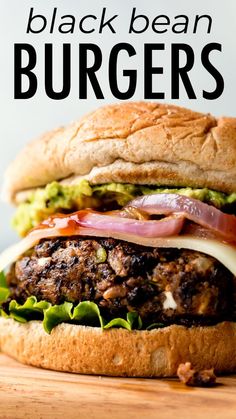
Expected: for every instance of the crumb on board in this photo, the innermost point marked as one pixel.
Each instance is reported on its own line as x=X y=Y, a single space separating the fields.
x=192 y=377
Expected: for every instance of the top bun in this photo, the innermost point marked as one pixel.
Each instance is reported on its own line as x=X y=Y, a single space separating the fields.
x=132 y=142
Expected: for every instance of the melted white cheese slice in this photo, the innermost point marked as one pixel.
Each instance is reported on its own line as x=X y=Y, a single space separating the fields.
x=223 y=252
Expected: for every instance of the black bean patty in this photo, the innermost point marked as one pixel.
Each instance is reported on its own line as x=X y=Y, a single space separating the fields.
x=162 y=285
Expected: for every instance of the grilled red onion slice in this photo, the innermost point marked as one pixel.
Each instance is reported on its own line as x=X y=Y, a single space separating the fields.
x=192 y=209
x=74 y=223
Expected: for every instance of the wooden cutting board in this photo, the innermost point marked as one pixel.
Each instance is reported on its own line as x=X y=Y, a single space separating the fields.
x=28 y=392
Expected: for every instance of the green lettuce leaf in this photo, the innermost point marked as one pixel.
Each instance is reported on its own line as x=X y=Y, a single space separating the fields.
x=3 y=281
x=133 y=321
x=85 y=313
x=56 y=314
x=27 y=311
x=119 y=322
x=4 y=291
x=4 y=294
x=88 y=313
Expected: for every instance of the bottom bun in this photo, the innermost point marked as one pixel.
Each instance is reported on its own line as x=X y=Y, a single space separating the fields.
x=118 y=352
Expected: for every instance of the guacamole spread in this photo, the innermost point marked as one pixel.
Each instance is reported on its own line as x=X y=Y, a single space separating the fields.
x=56 y=197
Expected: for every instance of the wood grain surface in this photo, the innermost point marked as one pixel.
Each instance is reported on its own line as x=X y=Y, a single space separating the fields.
x=27 y=392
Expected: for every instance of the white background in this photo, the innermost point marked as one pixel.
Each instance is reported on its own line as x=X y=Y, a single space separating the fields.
x=23 y=120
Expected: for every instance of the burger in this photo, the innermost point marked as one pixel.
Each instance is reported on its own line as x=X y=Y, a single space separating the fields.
x=127 y=261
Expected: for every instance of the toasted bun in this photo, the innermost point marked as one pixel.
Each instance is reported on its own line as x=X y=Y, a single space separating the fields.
x=145 y=143
x=118 y=352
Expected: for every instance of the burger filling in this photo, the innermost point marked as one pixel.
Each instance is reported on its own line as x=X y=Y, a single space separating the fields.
x=56 y=197
x=164 y=258
x=162 y=285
